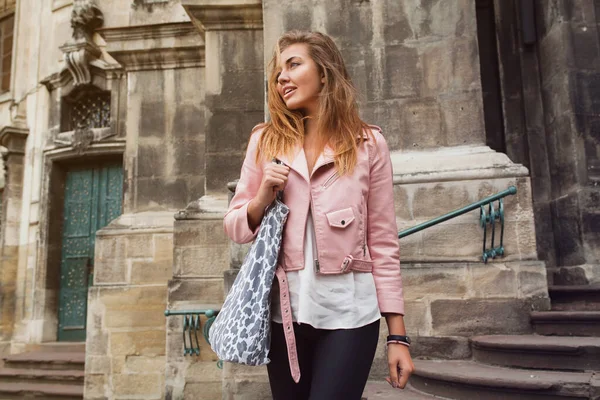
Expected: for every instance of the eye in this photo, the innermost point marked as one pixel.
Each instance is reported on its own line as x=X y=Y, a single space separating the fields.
x=294 y=64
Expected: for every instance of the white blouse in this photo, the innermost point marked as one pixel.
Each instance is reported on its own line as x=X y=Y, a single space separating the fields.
x=341 y=301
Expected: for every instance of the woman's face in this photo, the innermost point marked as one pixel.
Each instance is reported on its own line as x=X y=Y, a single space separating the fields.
x=299 y=82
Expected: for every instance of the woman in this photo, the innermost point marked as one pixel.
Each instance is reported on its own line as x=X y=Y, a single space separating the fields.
x=339 y=260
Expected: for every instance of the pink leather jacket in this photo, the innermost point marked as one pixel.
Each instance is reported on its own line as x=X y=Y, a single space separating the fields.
x=354 y=216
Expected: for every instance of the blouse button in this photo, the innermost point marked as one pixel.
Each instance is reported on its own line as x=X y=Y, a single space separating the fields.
x=343 y=222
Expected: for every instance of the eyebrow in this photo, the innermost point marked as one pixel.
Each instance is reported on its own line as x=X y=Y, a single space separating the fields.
x=291 y=58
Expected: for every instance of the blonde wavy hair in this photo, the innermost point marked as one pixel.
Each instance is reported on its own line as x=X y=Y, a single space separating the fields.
x=338 y=122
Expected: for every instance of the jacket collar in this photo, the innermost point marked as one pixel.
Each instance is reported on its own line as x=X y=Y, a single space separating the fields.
x=298 y=162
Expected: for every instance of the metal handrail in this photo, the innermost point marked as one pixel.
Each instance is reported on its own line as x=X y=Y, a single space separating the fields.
x=191 y=326
x=485 y=219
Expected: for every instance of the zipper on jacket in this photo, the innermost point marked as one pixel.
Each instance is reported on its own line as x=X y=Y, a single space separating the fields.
x=364 y=219
x=312 y=211
x=330 y=179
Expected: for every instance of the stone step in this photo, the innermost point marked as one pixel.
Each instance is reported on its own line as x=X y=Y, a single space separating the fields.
x=377 y=390
x=10 y=391
x=46 y=360
x=58 y=347
x=575 y=297
x=471 y=380
x=566 y=323
x=65 y=377
x=538 y=352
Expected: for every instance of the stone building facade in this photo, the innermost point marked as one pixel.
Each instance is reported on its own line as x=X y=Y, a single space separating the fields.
x=123 y=125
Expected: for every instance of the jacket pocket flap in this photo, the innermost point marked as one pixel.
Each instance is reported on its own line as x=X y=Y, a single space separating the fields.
x=341 y=218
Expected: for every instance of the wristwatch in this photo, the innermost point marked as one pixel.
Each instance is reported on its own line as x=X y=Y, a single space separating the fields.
x=399 y=338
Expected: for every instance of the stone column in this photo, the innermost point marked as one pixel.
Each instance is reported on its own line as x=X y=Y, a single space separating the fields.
x=232 y=30
x=416 y=66
x=569 y=56
x=13 y=140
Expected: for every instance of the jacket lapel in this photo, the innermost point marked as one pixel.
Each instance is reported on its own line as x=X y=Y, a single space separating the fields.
x=297 y=162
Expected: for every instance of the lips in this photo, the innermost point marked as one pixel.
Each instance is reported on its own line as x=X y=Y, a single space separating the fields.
x=288 y=91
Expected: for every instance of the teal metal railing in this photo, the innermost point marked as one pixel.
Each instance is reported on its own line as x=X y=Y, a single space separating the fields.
x=486 y=219
x=192 y=324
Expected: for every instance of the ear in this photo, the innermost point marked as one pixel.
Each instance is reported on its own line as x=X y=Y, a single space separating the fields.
x=323 y=79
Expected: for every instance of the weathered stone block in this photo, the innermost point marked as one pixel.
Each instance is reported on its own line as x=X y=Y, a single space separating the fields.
x=143 y=317
x=151 y=386
x=203 y=371
x=432 y=280
x=432 y=200
x=110 y=271
x=143 y=272
x=493 y=280
x=110 y=248
x=462 y=116
x=201 y=261
x=97 y=364
x=445 y=347
x=246 y=389
x=422 y=124
x=138 y=343
x=204 y=391
x=95 y=386
x=163 y=247
x=481 y=317
x=417 y=318
x=140 y=246
x=134 y=307
x=199 y=291
x=401 y=66
x=144 y=364
x=200 y=232
x=532 y=280
x=450 y=66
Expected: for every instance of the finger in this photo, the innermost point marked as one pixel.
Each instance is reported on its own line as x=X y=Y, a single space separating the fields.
x=394 y=374
x=273 y=174
x=282 y=169
x=405 y=373
x=272 y=182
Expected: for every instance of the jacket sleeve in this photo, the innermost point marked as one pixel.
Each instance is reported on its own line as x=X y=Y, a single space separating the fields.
x=382 y=230
x=236 y=219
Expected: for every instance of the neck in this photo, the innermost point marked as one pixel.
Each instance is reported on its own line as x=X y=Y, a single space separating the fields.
x=310 y=127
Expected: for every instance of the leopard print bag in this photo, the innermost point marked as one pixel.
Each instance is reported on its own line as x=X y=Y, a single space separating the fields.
x=241 y=332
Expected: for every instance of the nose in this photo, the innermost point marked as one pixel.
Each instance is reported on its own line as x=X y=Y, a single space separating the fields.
x=283 y=77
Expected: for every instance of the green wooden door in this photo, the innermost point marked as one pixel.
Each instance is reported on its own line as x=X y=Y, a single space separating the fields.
x=92 y=200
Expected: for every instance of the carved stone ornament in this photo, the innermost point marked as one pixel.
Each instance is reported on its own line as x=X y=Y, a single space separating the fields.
x=81 y=50
x=82 y=139
x=86 y=17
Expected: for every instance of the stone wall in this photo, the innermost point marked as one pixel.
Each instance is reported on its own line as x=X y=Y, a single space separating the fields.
x=125 y=346
x=201 y=257
x=415 y=63
x=569 y=53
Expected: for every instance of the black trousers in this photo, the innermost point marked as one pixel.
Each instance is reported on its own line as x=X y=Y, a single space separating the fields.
x=334 y=364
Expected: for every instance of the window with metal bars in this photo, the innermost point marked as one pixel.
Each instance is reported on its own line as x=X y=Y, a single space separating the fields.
x=89 y=110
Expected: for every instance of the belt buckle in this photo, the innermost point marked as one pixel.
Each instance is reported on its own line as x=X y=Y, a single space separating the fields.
x=346 y=263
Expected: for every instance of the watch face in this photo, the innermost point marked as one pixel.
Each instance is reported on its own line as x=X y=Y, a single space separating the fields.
x=407 y=340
